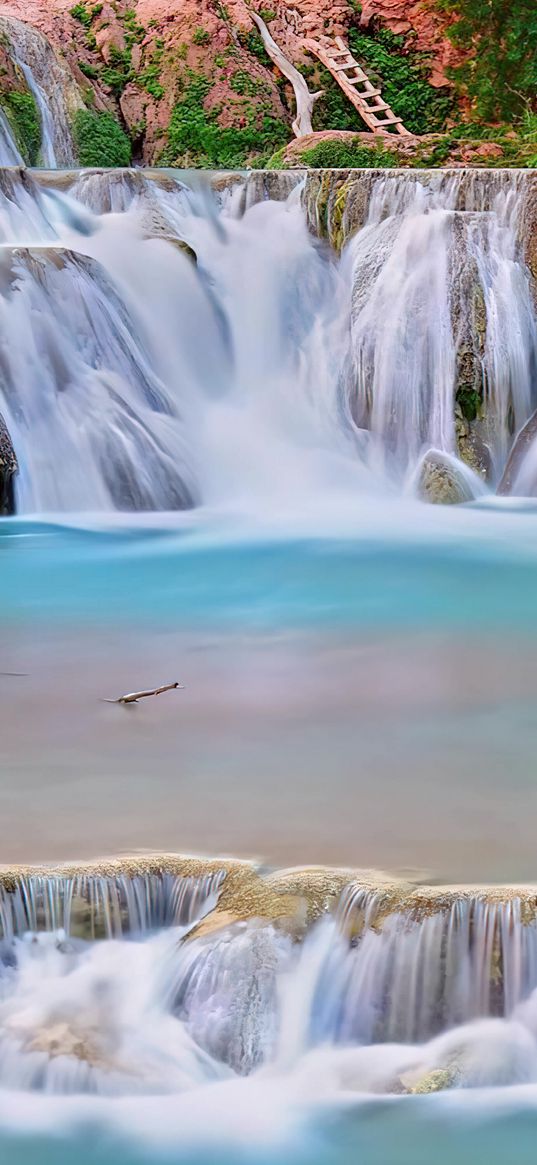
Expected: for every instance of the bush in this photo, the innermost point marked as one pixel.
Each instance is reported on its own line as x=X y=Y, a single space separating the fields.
x=23 y=116
x=337 y=155
x=201 y=36
x=500 y=36
x=85 y=15
x=100 y=140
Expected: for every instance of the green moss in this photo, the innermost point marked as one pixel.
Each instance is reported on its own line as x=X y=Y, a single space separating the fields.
x=337 y=155
x=23 y=115
x=201 y=36
x=100 y=140
x=196 y=138
x=469 y=402
x=267 y=14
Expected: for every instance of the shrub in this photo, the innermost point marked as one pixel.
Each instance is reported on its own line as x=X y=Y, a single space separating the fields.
x=500 y=36
x=338 y=155
x=100 y=140
x=201 y=36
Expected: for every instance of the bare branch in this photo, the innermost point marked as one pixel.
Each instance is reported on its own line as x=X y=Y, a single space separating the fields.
x=133 y=697
x=304 y=99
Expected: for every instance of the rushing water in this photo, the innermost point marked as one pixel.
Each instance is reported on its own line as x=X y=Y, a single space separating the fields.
x=360 y=675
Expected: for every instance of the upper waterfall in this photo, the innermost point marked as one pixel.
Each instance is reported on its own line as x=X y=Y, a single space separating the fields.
x=407 y=362
x=52 y=87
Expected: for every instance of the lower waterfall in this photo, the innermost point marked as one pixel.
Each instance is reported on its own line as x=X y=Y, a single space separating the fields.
x=335 y=376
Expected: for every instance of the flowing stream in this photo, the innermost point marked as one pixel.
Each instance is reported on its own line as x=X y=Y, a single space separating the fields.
x=222 y=429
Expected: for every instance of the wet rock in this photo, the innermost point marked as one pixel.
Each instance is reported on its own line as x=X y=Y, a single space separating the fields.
x=8 y=470
x=435 y=1081
x=441 y=481
x=472 y=448
x=523 y=442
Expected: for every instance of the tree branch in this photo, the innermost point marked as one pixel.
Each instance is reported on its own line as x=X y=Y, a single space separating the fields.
x=304 y=99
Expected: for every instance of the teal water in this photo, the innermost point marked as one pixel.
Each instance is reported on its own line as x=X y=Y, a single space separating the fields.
x=401 y=566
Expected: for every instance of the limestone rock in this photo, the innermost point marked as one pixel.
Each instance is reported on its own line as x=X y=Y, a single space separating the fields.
x=441 y=481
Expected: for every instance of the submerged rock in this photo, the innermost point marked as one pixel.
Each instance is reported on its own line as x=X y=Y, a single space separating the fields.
x=442 y=481
x=8 y=470
x=521 y=446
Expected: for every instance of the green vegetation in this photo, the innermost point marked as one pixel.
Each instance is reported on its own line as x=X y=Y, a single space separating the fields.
x=23 y=115
x=333 y=110
x=245 y=85
x=85 y=15
x=100 y=140
x=469 y=402
x=252 y=42
x=337 y=155
x=90 y=71
x=201 y=36
x=196 y=138
x=500 y=36
x=403 y=78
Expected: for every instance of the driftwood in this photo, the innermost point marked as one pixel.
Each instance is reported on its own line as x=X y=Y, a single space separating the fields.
x=133 y=697
x=304 y=99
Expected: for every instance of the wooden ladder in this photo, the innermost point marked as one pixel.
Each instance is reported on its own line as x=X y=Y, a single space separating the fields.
x=338 y=59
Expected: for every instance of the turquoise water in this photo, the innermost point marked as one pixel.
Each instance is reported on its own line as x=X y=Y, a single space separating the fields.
x=475 y=568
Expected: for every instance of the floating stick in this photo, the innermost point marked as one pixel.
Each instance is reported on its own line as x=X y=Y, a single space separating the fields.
x=133 y=697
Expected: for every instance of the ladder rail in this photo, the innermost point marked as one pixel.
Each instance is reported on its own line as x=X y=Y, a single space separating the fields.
x=368 y=103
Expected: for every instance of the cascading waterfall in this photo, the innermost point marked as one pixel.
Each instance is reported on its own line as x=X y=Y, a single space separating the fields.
x=54 y=90
x=387 y=994
x=9 y=153
x=158 y=380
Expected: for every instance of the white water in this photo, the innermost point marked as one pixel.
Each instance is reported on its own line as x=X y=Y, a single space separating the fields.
x=266 y=373
x=158 y=1014
x=54 y=90
x=9 y=154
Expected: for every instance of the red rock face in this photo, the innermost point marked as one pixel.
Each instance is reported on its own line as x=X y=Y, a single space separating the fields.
x=196 y=36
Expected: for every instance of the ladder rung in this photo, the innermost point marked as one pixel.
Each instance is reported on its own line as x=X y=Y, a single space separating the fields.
x=367 y=92
x=345 y=65
x=387 y=120
x=375 y=108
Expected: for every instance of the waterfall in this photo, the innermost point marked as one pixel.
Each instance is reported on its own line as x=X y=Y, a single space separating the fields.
x=54 y=90
x=95 y=905
x=193 y=343
x=394 y=985
x=9 y=154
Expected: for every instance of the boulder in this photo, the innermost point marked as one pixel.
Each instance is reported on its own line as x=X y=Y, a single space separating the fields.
x=442 y=480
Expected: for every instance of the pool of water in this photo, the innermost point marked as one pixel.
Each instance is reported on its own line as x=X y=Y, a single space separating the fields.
x=362 y=695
